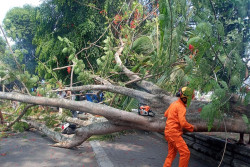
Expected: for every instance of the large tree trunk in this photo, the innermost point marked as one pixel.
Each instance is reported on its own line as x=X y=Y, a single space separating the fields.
x=119 y=120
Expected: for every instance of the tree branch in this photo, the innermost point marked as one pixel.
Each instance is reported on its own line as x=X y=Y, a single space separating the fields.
x=57 y=137
x=123 y=118
x=18 y=65
x=140 y=95
x=20 y=116
x=84 y=133
x=147 y=86
x=59 y=68
x=171 y=28
x=85 y=106
x=101 y=80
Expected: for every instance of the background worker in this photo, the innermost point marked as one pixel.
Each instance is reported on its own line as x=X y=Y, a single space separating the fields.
x=175 y=124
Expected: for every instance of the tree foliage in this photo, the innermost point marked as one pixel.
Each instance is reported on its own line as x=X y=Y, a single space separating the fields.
x=20 y=25
x=80 y=22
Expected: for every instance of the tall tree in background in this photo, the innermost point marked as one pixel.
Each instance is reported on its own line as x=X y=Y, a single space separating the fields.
x=2 y=46
x=20 y=26
x=82 y=23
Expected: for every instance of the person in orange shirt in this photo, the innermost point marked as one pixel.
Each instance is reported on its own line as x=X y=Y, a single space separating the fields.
x=175 y=124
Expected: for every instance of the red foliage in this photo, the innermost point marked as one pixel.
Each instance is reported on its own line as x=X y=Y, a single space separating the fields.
x=191 y=47
x=103 y=12
x=68 y=69
x=132 y=24
x=118 y=18
x=136 y=14
x=38 y=94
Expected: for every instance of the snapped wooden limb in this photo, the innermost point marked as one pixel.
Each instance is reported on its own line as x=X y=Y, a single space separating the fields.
x=143 y=96
x=55 y=136
x=20 y=116
x=82 y=134
x=145 y=85
x=1 y=117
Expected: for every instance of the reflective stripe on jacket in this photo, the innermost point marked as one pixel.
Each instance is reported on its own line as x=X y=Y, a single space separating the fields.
x=176 y=120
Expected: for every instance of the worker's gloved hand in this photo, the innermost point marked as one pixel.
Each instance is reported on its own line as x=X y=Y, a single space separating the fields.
x=195 y=128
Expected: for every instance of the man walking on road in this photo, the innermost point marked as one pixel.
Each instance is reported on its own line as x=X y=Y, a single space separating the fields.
x=175 y=124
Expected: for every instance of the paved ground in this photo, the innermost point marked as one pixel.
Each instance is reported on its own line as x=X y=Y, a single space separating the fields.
x=135 y=149
x=31 y=150
x=142 y=149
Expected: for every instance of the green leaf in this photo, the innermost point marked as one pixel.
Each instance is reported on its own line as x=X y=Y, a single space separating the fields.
x=224 y=84
x=60 y=39
x=234 y=80
x=65 y=50
x=143 y=45
x=245 y=119
x=217 y=69
x=247 y=99
x=103 y=58
x=77 y=71
x=161 y=17
x=220 y=27
x=99 y=62
x=71 y=57
x=204 y=27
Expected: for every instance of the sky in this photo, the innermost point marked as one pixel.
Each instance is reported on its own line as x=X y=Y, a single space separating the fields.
x=6 y=5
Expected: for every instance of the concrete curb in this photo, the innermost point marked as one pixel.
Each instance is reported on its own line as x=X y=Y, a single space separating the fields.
x=101 y=156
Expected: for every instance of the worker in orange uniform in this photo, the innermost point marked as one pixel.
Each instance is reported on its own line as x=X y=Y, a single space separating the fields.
x=175 y=124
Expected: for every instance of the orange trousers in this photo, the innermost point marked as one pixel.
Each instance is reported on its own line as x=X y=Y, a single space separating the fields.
x=176 y=143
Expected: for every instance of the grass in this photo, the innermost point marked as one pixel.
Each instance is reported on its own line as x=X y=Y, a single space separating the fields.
x=43 y=135
x=107 y=137
x=3 y=135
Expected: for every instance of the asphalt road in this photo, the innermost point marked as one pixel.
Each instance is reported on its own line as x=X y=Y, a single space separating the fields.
x=30 y=149
x=134 y=149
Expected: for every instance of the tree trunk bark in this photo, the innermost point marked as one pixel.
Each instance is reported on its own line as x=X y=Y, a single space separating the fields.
x=119 y=120
x=84 y=133
x=55 y=136
x=119 y=117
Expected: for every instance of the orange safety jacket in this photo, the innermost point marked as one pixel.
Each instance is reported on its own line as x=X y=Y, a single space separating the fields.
x=176 y=120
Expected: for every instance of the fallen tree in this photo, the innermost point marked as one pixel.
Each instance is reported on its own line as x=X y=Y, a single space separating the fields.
x=118 y=120
x=144 y=92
